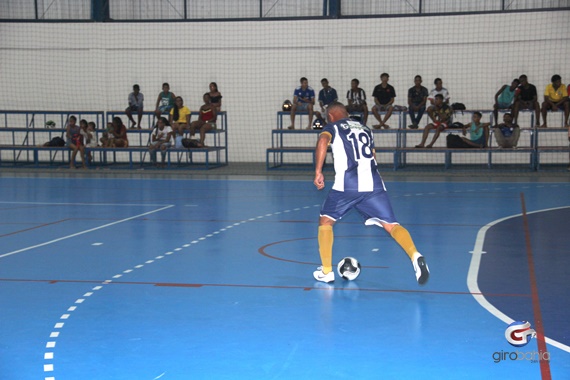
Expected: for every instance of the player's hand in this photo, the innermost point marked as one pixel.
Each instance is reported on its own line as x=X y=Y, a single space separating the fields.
x=319 y=181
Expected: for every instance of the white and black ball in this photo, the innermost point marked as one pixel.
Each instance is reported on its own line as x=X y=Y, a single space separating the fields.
x=348 y=268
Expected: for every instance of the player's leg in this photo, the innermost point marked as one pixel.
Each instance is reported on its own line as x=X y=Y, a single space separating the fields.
x=325 y=238
x=310 y=110
x=336 y=205
x=377 y=210
x=566 y=113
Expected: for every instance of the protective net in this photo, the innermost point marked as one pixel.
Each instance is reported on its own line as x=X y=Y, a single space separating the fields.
x=257 y=51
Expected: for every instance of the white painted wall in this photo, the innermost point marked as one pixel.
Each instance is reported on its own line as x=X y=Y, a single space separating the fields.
x=257 y=65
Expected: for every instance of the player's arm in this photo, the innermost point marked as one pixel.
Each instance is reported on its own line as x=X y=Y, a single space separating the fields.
x=320 y=155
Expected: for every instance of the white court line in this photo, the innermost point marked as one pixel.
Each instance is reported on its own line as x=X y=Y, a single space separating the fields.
x=83 y=232
x=474 y=272
x=80 y=204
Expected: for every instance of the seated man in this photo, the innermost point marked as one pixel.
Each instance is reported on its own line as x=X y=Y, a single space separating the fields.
x=439 y=89
x=555 y=98
x=136 y=104
x=303 y=101
x=507 y=133
x=384 y=95
x=417 y=98
x=356 y=98
x=442 y=116
x=327 y=96
x=161 y=138
x=478 y=132
x=165 y=101
x=504 y=98
x=526 y=98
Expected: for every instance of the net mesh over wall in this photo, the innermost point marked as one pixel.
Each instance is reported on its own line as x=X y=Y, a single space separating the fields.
x=257 y=64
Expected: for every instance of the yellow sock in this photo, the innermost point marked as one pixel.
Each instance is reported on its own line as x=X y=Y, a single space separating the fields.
x=402 y=237
x=326 y=238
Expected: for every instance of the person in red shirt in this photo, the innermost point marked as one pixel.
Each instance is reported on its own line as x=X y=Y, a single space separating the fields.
x=206 y=120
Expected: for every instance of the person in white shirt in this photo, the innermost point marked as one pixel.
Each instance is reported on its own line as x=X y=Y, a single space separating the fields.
x=160 y=139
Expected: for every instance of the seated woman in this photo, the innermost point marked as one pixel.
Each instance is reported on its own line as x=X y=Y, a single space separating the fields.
x=75 y=141
x=206 y=120
x=215 y=96
x=119 y=133
x=179 y=116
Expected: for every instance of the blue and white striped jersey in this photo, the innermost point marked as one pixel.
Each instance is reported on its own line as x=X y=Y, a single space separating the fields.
x=353 y=152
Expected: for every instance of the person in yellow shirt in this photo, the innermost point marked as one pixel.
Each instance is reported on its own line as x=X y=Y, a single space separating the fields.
x=179 y=116
x=555 y=98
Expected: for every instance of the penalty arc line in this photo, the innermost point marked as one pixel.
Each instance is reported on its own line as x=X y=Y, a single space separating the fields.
x=473 y=273
x=83 y=232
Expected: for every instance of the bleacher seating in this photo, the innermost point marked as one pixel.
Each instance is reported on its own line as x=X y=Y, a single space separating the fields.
x=22 y=134
x=395 y=145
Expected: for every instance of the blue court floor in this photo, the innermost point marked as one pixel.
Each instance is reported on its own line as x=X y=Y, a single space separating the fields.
x=106 y=278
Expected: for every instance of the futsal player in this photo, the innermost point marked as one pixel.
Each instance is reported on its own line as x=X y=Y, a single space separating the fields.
x=357 y=185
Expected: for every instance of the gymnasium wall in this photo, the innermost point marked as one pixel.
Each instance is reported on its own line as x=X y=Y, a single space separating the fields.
x=92 y=66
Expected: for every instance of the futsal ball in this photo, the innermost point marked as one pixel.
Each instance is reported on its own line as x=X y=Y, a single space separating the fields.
x=287 y=105
x=348 y=268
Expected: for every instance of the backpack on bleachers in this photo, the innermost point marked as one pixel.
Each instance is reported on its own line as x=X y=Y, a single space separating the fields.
x=456 y=142
x=56 y=141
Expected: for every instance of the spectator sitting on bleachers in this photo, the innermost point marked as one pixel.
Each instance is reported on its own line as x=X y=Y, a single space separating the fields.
x=504 y=98
x=206 y=119
x=439 y=89
x=356 y=98
x=179 y=116
x=417 y=98
x=165 y=101
x=384 y=95
x=89 y=136
x=327 y=96
x=136 y=104
x=303 y=100
x=75 y=141
x=119 y=133
x=507 y=133
x=106 y=140
x=442 y=118
x=526 y=98
x=555 y=97
x=161 y=137
x=215 y=96
x=478 y=132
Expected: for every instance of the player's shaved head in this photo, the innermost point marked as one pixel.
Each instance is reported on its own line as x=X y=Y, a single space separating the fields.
x=336 y=111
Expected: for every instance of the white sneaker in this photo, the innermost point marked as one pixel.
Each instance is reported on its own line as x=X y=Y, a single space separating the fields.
x=320 y=276
x=420 y=268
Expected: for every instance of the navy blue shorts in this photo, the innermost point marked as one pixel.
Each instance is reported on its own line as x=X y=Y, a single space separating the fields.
x=375 y=206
